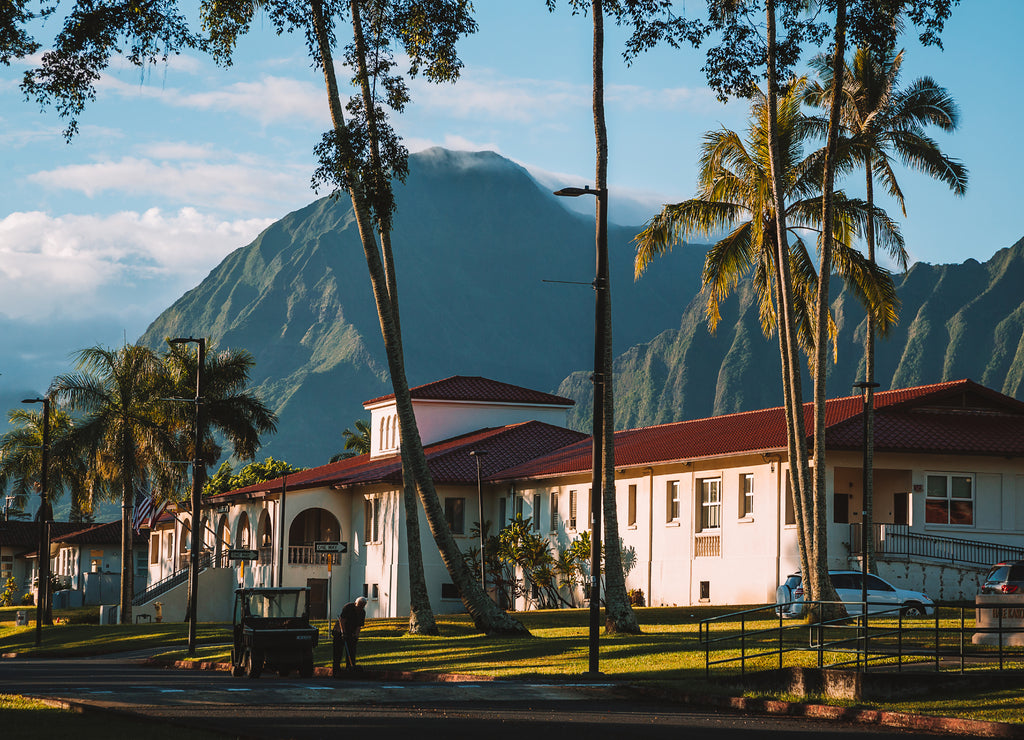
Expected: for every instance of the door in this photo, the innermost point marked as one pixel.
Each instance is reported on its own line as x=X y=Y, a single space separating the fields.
x=317 y=598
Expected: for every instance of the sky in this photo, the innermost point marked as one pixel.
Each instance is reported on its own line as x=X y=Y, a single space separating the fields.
x=178 y=165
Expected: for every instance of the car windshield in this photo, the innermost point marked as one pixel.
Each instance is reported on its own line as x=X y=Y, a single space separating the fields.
x=277 y=604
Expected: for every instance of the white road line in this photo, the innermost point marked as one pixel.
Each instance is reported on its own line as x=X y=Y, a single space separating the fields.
x=171 y=691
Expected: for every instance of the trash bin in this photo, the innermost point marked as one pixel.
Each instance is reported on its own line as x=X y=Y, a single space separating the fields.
x=21 y=620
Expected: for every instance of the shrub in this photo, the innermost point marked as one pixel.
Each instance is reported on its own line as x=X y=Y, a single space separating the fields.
x=636 y=597
x=10 y=589
x=28 y=599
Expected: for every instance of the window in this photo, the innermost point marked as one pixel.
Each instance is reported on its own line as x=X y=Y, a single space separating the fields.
x=790 y=505
x=502 y=512
x=141 y=568
x=710 y=503
x=371 y=591
x=536 y=512
x=841 y=508
x=631 y=506
x=554 y=511
x=672 y=501
x=519 y=507
x=448 y=591
x=949 y=499
x=573 y=497
x=154 y=548
x=455 y=513
x=371 y=520
x=746 y=495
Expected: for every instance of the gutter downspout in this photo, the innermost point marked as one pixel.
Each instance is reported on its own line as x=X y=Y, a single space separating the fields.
x=779 y=493
x=650 y=536
x=284 y=542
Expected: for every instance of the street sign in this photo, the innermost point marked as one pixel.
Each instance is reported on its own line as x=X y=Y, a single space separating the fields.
x=243 y=554
x=332 y=547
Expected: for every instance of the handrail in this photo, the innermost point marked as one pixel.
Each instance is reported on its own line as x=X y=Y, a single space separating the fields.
x=897 y=539
x=174 y=579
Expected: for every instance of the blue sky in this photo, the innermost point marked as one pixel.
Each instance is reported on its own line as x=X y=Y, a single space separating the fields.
x=180 y=164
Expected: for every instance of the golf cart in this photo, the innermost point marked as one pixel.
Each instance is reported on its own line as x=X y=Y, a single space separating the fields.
x=271 y=629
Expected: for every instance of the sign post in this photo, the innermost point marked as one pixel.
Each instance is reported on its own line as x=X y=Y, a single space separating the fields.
x=241 y=556
x=331 y=549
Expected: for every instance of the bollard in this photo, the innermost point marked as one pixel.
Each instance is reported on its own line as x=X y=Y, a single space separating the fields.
x=158 y=608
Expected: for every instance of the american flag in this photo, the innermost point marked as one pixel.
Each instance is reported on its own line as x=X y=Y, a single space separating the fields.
x=146 y=511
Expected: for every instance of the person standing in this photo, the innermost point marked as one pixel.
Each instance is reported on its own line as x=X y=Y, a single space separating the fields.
x=346 y=634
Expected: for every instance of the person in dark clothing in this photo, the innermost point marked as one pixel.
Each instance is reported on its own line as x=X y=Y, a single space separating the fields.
x=346 y=633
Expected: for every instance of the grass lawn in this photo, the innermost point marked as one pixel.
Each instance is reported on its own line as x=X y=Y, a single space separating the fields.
x=667 y=655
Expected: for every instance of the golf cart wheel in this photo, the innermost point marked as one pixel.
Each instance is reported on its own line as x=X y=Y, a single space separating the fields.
x=253 y=663
x=913 y=610
x=306 y=666
x=237 y=669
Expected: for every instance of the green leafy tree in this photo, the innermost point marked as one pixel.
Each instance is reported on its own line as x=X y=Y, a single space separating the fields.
x=225 y=480
x=884 y=123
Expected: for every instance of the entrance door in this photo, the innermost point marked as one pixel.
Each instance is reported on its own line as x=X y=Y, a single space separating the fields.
x=900 y=508
x=317 y=598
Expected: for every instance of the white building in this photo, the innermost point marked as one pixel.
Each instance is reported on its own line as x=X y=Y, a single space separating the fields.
x=702 y=505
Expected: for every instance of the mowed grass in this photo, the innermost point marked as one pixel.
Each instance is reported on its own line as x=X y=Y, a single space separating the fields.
x=668 y=654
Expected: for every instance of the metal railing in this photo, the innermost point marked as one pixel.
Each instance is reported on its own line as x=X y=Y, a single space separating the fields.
x=176 y=578
x=897 y=539
x=762 y=638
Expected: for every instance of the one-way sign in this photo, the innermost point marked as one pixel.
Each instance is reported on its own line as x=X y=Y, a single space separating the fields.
x=243 y=554
x=333 y=547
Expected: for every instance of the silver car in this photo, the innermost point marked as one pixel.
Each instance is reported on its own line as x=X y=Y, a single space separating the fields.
x=882 y=596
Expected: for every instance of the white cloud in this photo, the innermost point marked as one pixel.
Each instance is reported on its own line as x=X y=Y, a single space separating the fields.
x=182 y=175
x=123 y=264
x=486 y=94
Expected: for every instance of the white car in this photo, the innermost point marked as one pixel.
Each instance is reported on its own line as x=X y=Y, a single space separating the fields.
x=882 y=596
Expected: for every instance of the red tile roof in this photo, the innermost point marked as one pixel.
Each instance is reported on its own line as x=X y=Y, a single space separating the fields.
x=100 y=534
x=475 y=388
x=26 y=534
x=449 y=461
x=953 y=417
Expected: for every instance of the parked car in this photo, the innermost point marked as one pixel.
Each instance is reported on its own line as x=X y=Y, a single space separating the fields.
x=882 y=596
x=1005 y=578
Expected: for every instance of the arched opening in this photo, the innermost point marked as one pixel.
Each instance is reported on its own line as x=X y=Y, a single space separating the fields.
x=265 y=539
x=223 y=539
x=242 y=539
x=310 y=526
x=183 y=543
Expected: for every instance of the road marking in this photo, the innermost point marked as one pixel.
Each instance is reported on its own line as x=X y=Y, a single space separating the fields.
x=171 y=691
x=320 y=688
x=245 y=689
x=392 y=687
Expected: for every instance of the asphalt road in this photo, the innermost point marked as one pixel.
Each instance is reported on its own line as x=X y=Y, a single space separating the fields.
x=273 y=707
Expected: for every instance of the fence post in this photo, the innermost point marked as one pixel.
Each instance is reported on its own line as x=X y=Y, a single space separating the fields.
x=743 y=645
x=962 y=623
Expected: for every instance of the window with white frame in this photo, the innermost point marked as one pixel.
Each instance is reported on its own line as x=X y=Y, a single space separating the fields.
x=573 y=497
x=455 y=513
x=536 y=512
x=371 y=519
x=631 y=506
x=710 y=503
x=554 y=511
x=746 y=495
x=672 y=505
x=949 y=499
x=154 y=548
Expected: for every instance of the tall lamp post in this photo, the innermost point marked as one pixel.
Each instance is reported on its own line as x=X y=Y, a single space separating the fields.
x=43 y=597
x=867 y=389
x=601 y=375
x=477 y=454
x=197 y=483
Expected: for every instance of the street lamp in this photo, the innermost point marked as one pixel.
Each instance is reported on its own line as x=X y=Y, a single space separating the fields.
x=602 y=374
x=477 y=454
x=867 y=388
x=197 y=482
x=43 y=596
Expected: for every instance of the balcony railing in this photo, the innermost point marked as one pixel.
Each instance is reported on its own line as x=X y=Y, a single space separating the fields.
x=305 y=555
x=897 y=539
x=707 y=545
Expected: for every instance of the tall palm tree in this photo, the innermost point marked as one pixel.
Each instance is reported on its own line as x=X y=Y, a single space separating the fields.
x=736 y=193
x=357 y=442
x=884 y=123
x=21 y=460
x=122 y=430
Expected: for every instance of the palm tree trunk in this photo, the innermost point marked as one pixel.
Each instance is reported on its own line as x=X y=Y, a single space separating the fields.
x=124 y=612
x=421 y=614
x=792 y=387
x=867 y=527
x=821 y=588
x=619 y=616
x=486 y=616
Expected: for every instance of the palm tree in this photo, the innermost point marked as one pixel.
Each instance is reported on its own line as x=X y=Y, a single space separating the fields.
x=21 y=461
x=736 y=192
x=357 y=442
x=122 y=431
x=883 y=123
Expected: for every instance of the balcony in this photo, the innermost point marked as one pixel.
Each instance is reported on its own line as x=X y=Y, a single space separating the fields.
x=707 y=544
x=305 y=555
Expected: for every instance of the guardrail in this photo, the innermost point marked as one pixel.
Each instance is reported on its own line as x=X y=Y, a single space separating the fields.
x=761 y=637
x=898 y=539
